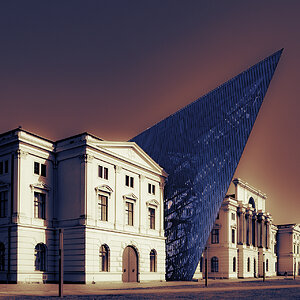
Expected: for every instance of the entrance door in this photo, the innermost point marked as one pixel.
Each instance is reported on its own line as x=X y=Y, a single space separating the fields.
x=130 y=265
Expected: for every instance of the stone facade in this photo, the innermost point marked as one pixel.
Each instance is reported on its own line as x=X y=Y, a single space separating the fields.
x=243 y=238
x=106 y=196
x=288 y=249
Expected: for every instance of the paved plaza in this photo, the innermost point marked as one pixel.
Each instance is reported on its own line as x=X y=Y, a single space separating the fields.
x=275 y=288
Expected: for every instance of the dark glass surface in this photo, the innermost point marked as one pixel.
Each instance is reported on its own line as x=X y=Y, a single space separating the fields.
x=200 y=147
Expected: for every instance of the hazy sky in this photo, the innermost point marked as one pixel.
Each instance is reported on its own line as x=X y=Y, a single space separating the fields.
x=114 y=68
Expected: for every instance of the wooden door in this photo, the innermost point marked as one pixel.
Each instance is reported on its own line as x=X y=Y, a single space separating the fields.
x=130 y=265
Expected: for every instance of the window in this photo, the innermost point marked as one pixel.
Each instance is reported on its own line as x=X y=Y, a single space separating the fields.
x=43 y=170
x=129 y=213
x=39 y=205
x=297 y=249
x=39 y=170
x=215 y=236
x=151 y=188
x=104 y=258
x=3 y=204
x=40 y=257
x=102 y=207
x=267 y=265
x=214 y=264
x=252 y=202
x=234 y=264
x=3 y=167
x=218 y=216
x=248 y=264
x=233 y=216
x=152 y=218
x=2 y=257
x=152 y=260
x=103 y=172
x=233 y=236
x=129 y=181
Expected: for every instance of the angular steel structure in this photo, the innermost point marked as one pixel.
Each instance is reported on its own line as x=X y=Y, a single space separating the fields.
x=200 y=147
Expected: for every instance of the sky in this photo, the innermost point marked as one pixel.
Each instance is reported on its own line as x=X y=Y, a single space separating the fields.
x=114 y=68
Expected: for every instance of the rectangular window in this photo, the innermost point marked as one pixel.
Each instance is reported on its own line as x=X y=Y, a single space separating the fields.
x=102 y=207
x=233 y=216
x=152 y=218
x=43 y=170
x=39 y=169
x=103 y=172
x=3 y=204
x=36 y=168
x=1 y=167
x=129 y=213
x=129 y=181
x=233 y=236
x=215 y=236
x=151 y=188
x=39 y=205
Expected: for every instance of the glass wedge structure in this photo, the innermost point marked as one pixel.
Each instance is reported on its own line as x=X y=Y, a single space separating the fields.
x=200 y=147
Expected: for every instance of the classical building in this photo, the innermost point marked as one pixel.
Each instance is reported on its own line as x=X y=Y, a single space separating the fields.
x=288 y=244
x=243 y=239
x=106 y=196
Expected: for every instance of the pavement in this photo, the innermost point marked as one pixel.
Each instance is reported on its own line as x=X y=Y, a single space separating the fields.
x=217 y=288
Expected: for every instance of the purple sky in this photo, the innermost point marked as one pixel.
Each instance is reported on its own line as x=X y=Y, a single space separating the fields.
x=114 y=68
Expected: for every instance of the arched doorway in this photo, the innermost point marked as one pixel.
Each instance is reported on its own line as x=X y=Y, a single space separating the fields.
x=130 y=265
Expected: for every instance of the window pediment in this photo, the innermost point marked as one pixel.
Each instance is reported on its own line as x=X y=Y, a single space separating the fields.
x=40 y=185
x=104 y=188
x=152 y=202
x=130 y=196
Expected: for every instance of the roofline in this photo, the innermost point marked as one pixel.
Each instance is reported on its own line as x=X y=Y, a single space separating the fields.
x=46 y=139
x=26 y=131
x=78 y=135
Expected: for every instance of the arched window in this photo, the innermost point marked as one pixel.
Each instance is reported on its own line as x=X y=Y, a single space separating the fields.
x=234 y=265
x=252 y=202
x=248 y=264
x=2 y=257
x=104 y=258
x=40 y=257
x=152 y=260
x=267 y=265
x=214 y=264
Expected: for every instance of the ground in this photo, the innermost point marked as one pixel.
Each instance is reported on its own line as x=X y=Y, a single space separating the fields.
x=275 y=288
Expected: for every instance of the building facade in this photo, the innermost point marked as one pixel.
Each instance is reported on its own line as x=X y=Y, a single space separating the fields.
x=242 y=242
x=288 y=249
x=106 y=196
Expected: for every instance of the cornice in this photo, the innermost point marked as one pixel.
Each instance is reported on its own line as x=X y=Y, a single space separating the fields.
x=247 y=186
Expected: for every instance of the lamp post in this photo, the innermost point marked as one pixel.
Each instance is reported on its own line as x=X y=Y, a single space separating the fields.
x=206 y=267
x=264 y=268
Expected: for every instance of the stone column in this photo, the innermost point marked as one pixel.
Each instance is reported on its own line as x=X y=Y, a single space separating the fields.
x=262 y=231
x=118 y=221
x=161 y=209
x=255 y=231
x=245 y=228
x=250 y=227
